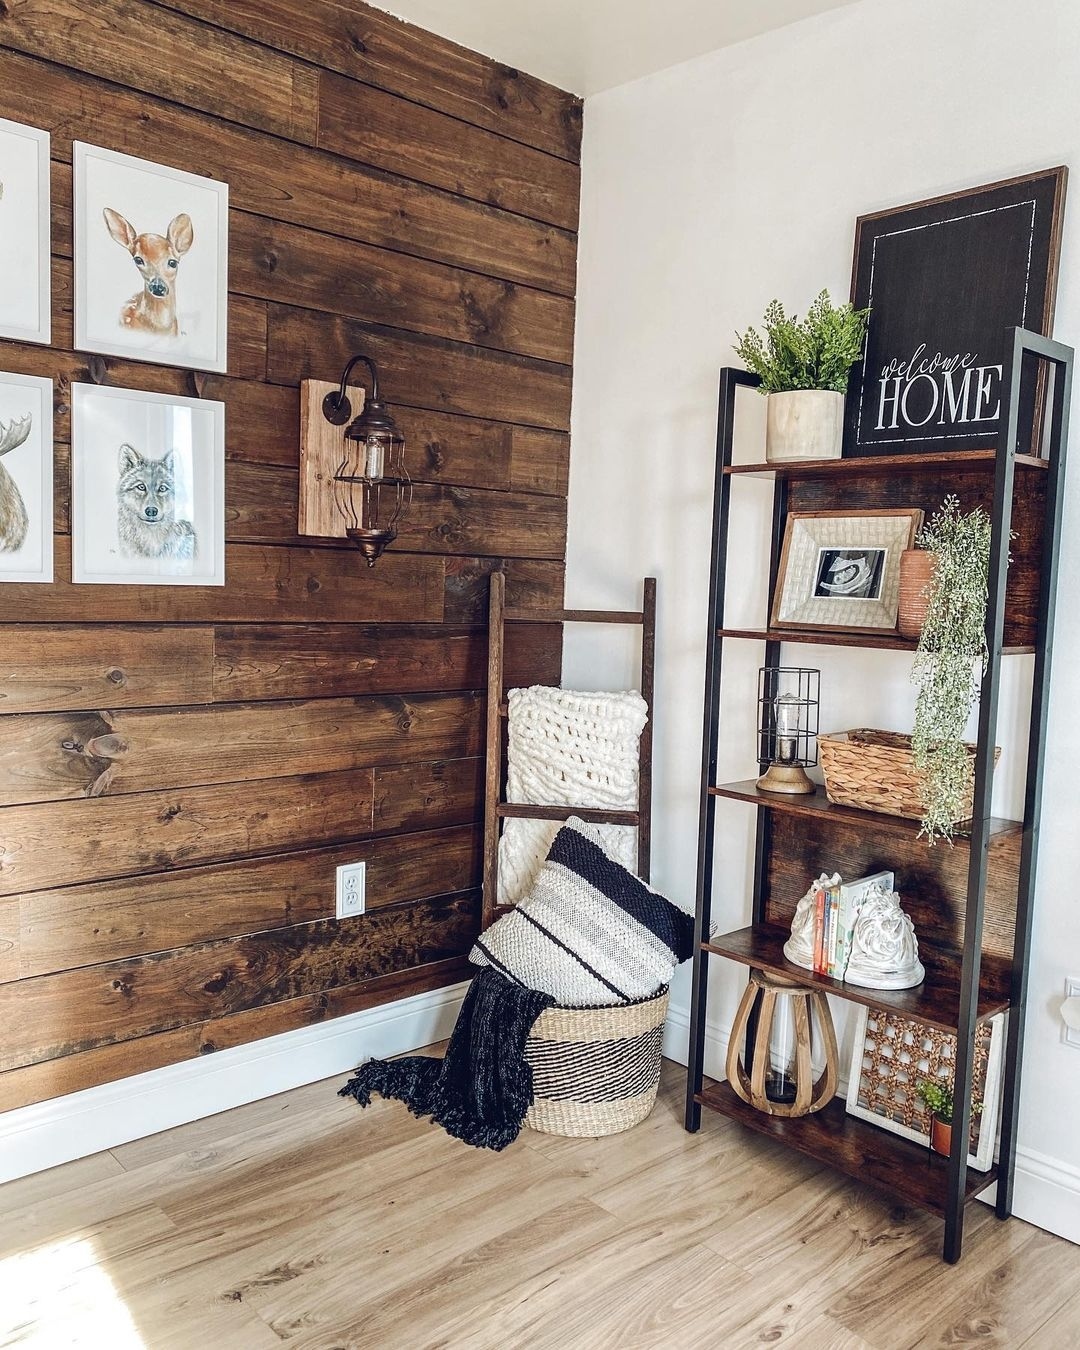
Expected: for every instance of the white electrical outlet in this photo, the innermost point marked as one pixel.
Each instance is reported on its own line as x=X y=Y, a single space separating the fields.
x=350 y=890
x=1070 y=1012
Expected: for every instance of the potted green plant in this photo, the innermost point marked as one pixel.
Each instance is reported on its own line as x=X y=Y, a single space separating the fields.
x=804 y=367
x=949 y=662
x=937 y=1096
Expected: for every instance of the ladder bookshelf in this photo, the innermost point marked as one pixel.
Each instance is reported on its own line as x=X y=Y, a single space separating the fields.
x=972 y=903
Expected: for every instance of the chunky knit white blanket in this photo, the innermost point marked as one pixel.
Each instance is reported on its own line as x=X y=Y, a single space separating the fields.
x=567 y=748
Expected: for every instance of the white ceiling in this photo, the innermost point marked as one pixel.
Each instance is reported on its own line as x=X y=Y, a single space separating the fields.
x=586 y=46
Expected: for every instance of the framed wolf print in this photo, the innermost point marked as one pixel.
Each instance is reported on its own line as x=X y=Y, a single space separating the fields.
x=151 y=261
x=147 y=488
x=944 y=280
x=25 y=258
x=26 y=478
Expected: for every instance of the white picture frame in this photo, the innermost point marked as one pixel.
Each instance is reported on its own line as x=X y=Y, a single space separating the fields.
x=915 y=1067
x=25 y=252
x=870 y=540
x=147 y=488
x=151 y=261
x=26 y=478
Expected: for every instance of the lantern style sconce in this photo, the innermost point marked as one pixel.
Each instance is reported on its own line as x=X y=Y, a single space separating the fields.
x=372 y=490
x=788 y=698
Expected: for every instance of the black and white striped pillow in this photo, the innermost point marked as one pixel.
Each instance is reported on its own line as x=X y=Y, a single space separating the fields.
x=589 y=933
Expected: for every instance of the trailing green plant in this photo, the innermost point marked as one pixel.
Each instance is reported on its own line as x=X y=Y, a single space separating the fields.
x=938 y=1098
x=950 y=661
x=814 y=353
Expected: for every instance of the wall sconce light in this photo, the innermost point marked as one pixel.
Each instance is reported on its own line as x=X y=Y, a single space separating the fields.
x=372 y=487
x=788 y=698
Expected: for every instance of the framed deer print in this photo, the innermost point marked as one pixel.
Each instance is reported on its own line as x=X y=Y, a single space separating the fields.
x=26 y=478
x=25 y=262
x=147 y=488
x=151 y=261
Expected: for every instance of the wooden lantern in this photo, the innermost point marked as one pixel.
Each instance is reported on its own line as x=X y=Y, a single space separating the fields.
x=752 y=1088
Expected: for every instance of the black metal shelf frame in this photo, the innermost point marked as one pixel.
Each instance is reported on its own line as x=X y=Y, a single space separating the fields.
x=1032 y=356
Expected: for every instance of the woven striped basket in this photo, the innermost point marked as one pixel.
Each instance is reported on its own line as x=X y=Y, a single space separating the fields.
x=595 y=1070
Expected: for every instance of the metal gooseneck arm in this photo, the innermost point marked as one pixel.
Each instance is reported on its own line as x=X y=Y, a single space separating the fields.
x=336 y=407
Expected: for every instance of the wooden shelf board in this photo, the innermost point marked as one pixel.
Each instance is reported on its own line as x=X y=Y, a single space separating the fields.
x=819 y=805
x=871 y=464
x=936 y=1001
x=825 y=637
x=900 y=1167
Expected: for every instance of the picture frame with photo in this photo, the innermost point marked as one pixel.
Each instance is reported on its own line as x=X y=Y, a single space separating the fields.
x=151 y=261
x=148 y=488
x=25 y=253
x=26 y=478
x=841 y=569
x=892 y=1054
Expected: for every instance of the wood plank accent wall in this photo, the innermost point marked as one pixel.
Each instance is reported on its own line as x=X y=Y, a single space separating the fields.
x=181 y=770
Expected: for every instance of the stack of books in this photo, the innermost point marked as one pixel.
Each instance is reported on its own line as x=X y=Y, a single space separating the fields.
x=836 y=909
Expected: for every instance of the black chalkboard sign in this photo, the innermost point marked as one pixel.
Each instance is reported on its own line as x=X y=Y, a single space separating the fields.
x=944 y=280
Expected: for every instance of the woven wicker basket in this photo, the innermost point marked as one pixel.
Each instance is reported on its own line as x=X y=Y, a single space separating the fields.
x=873 y=770
x=595 y=1070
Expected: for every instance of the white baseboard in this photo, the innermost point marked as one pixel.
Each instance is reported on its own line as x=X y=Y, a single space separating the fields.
x=1046 y=1190
x=33 y=1138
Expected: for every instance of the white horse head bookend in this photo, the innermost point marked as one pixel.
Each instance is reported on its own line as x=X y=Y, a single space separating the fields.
x=884 y=948
x=799 y=948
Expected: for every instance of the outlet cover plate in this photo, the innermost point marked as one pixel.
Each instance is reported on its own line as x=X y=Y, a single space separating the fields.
x=351 y=889
x=1072 y=990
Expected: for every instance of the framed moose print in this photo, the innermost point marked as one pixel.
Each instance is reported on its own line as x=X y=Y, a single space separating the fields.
x=147 y=489
x=151 y=261
x=25 y=258
x=944 y=280
x=26 y=478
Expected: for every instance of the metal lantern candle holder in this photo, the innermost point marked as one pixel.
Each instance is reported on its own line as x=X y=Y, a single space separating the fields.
x=372 y=487
x=788 y=698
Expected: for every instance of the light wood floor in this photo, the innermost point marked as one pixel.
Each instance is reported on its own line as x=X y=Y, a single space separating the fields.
x=302 y=1223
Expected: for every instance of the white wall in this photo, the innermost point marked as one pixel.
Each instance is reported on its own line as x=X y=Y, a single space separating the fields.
x=707 y=190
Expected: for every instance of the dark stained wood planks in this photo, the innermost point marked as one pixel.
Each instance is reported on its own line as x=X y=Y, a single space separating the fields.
x=303 y=186
x=146 y=48
x=80 y=1009
x=422 y=371
x=62 y=756
x=144 y=832
x=328 y=660
x=74 y=1073
x=370 y=45
x=181 y=769
x=106 y=921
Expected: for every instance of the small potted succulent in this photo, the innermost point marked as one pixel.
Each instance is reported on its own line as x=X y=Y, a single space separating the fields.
x=936 y=1095
x=804 y=367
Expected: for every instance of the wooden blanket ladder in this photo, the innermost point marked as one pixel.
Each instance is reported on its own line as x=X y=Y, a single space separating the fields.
x=496 y=809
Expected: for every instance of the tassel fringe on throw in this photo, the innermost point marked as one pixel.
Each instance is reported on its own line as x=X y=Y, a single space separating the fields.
x=480 y=1091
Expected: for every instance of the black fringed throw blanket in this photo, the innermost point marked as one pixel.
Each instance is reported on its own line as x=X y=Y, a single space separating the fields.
x=480 y=1091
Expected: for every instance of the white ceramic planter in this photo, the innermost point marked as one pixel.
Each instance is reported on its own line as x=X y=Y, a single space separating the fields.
x=804 y=424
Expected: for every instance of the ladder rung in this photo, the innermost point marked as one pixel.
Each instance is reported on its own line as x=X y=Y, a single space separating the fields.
x=575 y=616
x=525 y=811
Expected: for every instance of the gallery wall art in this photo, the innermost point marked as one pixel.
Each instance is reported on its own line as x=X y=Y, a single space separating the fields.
x=148 y=488
x=151 y=261
x=26 y=478
x=25 y=262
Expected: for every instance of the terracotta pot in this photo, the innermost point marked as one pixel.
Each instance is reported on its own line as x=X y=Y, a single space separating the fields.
x=916 y=573
x=804 y=424
x=940 y=1136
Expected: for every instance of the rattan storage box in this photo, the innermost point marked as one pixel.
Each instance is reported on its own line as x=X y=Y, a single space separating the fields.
x=874 y=771
x=595 y=1070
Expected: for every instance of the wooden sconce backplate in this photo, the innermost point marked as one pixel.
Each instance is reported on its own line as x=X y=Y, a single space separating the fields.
x=321 y=450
